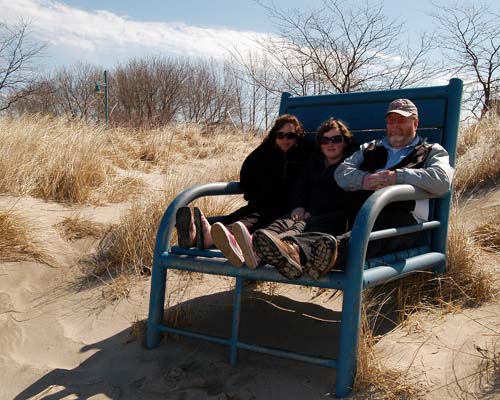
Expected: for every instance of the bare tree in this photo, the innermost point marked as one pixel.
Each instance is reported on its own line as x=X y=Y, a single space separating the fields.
x=210 y=93
x=147 y=92
x=259 y=89
x=17 y=55
x=470 y=37
x=343 y=48
x=67 y=91
x=76 y=89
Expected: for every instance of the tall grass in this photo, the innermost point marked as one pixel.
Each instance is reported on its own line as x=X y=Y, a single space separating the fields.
x=74 y=162
x=50 y=158
x=17 y=242
x=478 y=149
x=487 y=234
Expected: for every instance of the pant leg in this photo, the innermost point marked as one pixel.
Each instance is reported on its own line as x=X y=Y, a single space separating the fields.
x=280 y=225
x=333 y=223
x=390 y=217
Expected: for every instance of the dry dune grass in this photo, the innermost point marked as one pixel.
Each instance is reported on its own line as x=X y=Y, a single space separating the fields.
x=175 y=144
x=74 y=162
x=374 y=380
x=76 y=227
x=17 y=242
x=50 y=158
x=487 y=234
x=478 y=149
x=465 y=281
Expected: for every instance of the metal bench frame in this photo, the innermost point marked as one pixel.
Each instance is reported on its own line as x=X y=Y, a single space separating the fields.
x=439 y=109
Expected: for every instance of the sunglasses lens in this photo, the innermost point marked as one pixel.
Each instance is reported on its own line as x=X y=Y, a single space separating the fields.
x=333 y=139
x=290 y=135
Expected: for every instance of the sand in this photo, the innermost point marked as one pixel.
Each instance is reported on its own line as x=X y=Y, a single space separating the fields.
x=62 y=338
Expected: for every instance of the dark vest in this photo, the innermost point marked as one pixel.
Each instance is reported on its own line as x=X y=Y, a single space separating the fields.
x=375 y=157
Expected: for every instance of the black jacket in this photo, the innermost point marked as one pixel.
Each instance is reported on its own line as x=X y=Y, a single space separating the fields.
x=268 y=175
x=316 y=189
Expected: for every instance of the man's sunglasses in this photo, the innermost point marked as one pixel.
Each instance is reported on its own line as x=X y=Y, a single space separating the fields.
x=289 y=135
x=332 y=139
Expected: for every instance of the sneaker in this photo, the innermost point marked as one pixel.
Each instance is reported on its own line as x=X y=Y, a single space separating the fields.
x=225 y=242
x=323 y=257
x=244 y=240
x=283 y=255
x=186 y=230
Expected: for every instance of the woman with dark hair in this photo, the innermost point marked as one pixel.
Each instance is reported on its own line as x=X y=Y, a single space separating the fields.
x=267 y=178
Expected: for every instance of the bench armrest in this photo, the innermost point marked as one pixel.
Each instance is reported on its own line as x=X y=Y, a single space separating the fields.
x=167 y=222
x=363 y=224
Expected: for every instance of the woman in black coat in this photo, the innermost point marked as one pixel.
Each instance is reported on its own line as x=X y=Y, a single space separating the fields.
x=267 y=179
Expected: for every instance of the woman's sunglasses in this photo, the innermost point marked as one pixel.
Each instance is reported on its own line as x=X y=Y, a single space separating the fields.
x=289 y=135
x=331 y=139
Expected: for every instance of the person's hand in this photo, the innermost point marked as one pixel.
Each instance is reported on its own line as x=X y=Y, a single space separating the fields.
x=379 y=180
x=298 y=214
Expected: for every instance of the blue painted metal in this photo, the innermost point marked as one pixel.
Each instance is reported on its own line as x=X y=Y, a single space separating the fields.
x=439 y=109
x=238 y=289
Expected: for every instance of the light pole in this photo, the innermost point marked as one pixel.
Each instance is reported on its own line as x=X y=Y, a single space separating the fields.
x=98 y=86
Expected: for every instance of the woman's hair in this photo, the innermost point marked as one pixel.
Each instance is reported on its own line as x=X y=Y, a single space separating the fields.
x=332 y=123
x=280 y=122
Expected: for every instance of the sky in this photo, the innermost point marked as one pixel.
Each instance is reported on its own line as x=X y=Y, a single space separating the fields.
x=107 y=32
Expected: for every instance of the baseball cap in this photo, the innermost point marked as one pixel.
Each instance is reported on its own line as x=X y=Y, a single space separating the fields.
x=404 y=107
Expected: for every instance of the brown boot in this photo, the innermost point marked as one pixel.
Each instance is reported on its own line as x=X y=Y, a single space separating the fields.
x=323 y=257
x=203 y=227
x=186 y=230
x=283 y=255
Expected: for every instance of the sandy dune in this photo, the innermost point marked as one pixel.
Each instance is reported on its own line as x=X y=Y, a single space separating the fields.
x=61 y=339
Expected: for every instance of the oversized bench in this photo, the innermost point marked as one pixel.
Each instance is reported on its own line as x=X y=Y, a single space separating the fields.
x=439 y=111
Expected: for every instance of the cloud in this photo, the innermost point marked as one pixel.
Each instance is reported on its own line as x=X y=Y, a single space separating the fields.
x=103 y=37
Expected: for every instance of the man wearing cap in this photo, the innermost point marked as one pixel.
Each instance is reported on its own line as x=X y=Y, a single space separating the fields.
x=401 y=157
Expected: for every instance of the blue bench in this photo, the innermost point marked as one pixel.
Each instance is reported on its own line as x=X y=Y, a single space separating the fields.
x=439 y=111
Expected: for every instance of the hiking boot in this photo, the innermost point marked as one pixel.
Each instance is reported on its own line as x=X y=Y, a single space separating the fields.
x=323 y=257
x=203 y=236
x=244 y=240
x=283 y=255
x=186 y=230
x=225 y=242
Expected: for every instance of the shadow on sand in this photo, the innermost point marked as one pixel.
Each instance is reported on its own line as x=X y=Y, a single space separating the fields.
x=181 y=368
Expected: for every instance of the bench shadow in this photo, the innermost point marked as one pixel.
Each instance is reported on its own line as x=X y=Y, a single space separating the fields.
x=183 y=368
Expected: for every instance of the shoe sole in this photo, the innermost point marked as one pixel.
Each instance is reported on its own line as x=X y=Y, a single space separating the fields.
x=323 y=249
x=222 y=242
x=199 y=239
x=183 y=220
x=268 y=251
x=243 y=239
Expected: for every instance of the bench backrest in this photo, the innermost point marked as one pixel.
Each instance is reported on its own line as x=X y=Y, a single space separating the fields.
x=364 y=113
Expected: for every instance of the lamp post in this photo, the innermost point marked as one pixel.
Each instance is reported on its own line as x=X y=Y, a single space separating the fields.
x=97 y=89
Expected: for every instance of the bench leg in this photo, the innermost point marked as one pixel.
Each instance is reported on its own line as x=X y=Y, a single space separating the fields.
x=156 y=305
x=348 y=346
x=236 y=320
